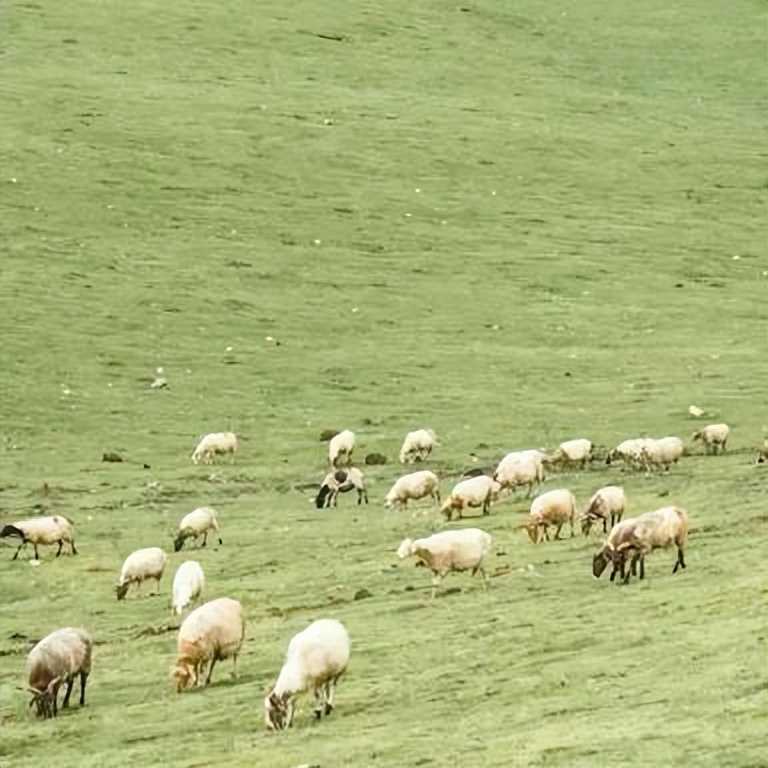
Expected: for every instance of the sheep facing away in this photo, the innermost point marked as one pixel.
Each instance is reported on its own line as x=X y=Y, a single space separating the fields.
x=316 y=658
x=55 y=529
x=416 y=485
x=555 y=508
x=58 y=658
x=341 y=481
x=340 y=449
x=417 y=446
x=634 y=538
x=195 y=524
x=477 y=491
x=606 y=504
x=188 y=586
x=713 y=436
x=211 y=633
x=143 y=564
x=458 y=550
x=215 y=444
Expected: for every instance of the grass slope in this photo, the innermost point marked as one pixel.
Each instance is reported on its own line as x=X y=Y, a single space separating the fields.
x=513 y=223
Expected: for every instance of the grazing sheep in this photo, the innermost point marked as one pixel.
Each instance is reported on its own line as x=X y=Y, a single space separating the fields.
x=197 y=523
x=55 y=529
x=629 y=452
x=573 y=453
x=214 y=444
x=341 y=481
x=415 y=486
x=661 y=453
x=58 y=658
x=139 y=566
x=340 y=448
x=606 y=504
x=212 y=632
x=639 y=536
x=556 y=508
x=417 y=446
x=521 y=468
x=188 y=586
x=459 y=550
x=477 y=491
x=316 y=658
x=714 y=437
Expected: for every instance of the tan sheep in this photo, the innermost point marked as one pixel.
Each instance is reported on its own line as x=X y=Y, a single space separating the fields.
x=195 y=524
x=606 y=504
x=477 y=491
x=661 y=453
x=55 y=529
x=417 y=446
x=212 y=632
x=415 y=486
x=573 y=453
x=521 y=468
x=556 y=508
x=713 y=436
x=143 y=564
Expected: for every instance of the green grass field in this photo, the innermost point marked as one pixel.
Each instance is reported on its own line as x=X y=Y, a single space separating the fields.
x=514 y=223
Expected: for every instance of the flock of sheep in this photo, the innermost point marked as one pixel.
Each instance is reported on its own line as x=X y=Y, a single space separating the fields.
x=317 y=657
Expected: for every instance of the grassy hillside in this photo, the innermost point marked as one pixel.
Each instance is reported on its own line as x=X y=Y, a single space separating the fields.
x=515 y=223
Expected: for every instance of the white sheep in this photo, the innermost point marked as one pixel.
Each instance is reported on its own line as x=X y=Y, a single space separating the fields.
x=212 y=632
x=629 y=451
x=195 y=524
x=139 y=566
x=573 y=453
x=417 y=446
x=639 y=536
x=459 y=550
x=416 y=485
x=521 y=468
x=58 y=658
x=477 y=491
x=606 y=504
x=55 y=529
x=556 y=508
x=316 y=658
x=661 y=453
x=212 y=445
x=713 y=436
x=341 y=481
x=340 y=448
x=188 y=586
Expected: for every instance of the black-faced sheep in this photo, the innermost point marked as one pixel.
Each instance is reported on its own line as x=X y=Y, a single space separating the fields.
x=341 y=481
x=55 y=529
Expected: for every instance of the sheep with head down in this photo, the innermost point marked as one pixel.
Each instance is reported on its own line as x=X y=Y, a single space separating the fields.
x=606 y=504
x=417 y=446
x=555 y=508
x=413 y=486
x=213 y=445
x=195 y=524
x=54 y=529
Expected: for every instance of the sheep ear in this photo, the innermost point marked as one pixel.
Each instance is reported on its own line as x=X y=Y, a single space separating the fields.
x=274 y=699
x=609 y=546
x=622 y=546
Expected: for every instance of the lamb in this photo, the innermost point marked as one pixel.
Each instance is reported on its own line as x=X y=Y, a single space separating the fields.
x=212 y=632
x=341 y=481
x=713 y=436
x=458 y=550
x=197 y=523
x=606 y=504
x=58 y=658
x=214 y=444
x=521 y=468
x=641 y=535
x=415 y=486
x=661 y=453
x=417 y=446
x=316 y=658
x=573 y=453
x=477 y=491
x=629 y=451
x=551 y=508
x=55 y=529
x=139 y=566
x=188 y=586
x=340 y=449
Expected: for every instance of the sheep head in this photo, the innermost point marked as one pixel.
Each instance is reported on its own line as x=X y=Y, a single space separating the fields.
x=181 y=537
x=533 y=532
x=278 y=711
x=601 y=559
x=405 y=549
x=183 y=672
x=121 y=590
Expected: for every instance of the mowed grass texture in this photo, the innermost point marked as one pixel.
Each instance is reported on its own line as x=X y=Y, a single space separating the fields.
x=514 y=223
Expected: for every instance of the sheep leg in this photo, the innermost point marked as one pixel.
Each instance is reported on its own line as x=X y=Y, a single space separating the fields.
x=680 y=561
x=319 y=701
x=61 y=544
x=83 y=678
x=70 y=684
x=72 y=544
x=641 y=557
x=205 y=538
x=18 y=550
x=436 y=581
x=37 y=557
x=331 y=690
x=557 y=532
x=210 y=671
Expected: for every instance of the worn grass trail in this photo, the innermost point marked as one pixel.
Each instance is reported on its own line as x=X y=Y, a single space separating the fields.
x=513 y=223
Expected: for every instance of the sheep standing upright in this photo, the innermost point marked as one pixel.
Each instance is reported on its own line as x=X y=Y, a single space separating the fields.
x=459 y=550
x=340 y=449
x=143 y=564
x=713 y=436
x=661 y=453
x=417 y=446
x=58 y=658
x=195 y=524
x=573 y=453
x=188 y=586
x=212 y=632
x=414 y=486
x=477 y=491
x=316 y=658
x=54 y=529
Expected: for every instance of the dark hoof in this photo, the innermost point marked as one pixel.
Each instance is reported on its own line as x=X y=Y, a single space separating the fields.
x=328 y=709
x=318 y=714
